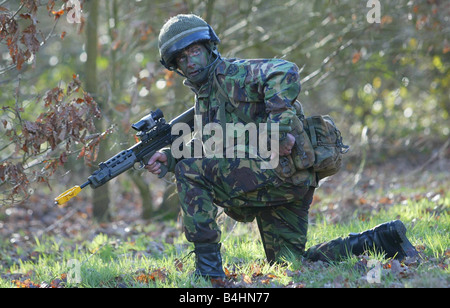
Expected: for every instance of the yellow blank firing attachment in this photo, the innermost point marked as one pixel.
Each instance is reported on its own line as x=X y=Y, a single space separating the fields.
x=67 y=195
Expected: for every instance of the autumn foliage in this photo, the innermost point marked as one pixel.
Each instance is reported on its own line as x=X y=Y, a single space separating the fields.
x=23 y=42
x=38 y=147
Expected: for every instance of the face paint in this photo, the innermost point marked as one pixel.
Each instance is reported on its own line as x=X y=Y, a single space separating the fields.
x=191 y=62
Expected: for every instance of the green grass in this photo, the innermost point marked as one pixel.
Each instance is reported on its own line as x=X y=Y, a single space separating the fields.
x=141 y=260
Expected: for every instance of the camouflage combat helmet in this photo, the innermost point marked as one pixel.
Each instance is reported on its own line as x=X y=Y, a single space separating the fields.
x=181 y=31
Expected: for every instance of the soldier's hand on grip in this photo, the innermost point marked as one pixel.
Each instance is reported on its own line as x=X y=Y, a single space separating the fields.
x=154 y=163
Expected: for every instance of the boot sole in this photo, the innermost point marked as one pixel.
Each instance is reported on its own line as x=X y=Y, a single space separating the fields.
x=407 y=248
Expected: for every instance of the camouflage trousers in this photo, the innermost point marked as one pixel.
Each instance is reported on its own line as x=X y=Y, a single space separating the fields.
x=245 y=192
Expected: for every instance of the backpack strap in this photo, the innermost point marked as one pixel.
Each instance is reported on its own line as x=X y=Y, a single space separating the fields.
x=312 y=131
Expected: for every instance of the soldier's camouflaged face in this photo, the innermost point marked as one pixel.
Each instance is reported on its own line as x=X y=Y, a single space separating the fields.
x=192 y=61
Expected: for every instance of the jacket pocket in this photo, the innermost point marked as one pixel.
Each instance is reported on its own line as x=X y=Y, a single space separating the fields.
x=286 y=167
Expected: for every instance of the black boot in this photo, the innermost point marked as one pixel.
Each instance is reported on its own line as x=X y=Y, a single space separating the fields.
x=208 y=261
x=388 y=238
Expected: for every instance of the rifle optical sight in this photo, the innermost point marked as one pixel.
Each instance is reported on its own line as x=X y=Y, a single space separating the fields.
x=149 y=121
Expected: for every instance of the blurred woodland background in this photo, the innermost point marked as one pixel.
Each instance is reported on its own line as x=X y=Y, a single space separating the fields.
x=72 y=83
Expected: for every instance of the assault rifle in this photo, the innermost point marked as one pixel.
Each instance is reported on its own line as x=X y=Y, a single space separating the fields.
x=154 y=134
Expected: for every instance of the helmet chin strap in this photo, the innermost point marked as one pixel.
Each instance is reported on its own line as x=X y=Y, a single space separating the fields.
x=209 y=65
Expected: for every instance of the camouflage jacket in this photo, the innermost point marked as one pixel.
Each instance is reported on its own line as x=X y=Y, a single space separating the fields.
x=262 y=89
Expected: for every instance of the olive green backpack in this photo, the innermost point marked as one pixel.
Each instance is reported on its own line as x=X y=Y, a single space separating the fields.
x=326 y=141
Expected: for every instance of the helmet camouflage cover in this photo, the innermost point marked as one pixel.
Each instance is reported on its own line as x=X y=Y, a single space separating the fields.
x=179 y=32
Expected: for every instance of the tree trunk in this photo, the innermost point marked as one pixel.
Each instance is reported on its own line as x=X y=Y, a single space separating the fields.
x=146 y=196
x=170 y=207
x=209 y=11
x=100 y=200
